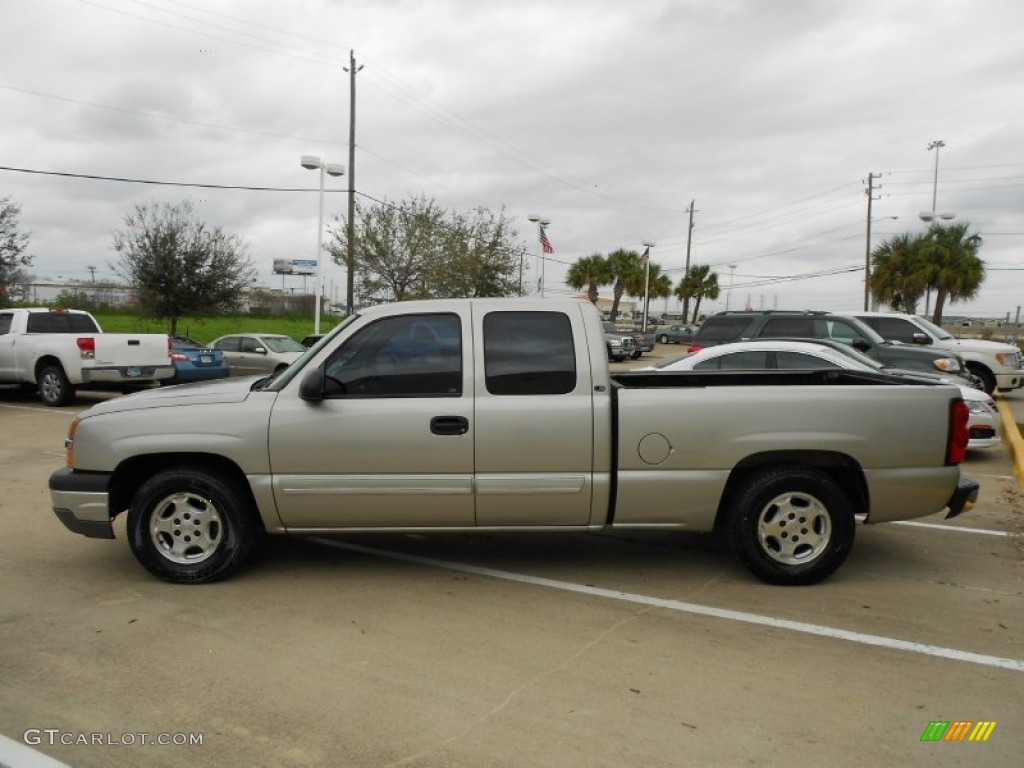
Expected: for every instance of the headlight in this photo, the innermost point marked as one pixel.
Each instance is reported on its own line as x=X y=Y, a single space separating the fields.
x=948 y=364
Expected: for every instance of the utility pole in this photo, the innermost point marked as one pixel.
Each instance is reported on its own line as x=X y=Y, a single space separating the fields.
x=867 y=247
x=350 y=235
x=686 y=272
x=92 y=274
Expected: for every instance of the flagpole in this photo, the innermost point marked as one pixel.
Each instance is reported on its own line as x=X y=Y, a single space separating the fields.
x=541 y=222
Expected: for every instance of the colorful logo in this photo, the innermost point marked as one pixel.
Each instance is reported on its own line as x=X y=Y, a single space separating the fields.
x=958 y=730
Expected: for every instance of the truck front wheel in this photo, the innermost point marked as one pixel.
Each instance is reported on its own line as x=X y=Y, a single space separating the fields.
x=190 y=526
x=988 y=380
x=792 y=525
x=54 y=387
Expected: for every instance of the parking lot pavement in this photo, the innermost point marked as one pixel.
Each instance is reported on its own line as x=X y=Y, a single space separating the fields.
x=648 y=649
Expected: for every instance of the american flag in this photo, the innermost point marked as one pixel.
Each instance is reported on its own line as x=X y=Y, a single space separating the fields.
x=645 y=257
x=545 y=244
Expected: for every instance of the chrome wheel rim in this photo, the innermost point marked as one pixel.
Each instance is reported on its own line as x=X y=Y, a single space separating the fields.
x=50 y=386
x=794 y=528
x=186 y=528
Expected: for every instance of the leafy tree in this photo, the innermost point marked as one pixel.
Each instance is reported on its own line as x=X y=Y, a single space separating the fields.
x=419 y=250
x=178 y=265
x=590 y=272
x=13 y=244
x=626 y=270
x=955 y=270
x=900 y=272
x=699 y=283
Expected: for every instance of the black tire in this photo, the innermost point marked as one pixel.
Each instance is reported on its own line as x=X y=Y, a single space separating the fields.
x=988 y=380
x=54 y=387
x=663 y=339
x=791 y=525
x=636 y=355
x=189 y=526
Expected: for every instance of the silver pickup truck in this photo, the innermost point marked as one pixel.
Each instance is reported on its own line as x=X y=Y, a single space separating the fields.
x=501 y=414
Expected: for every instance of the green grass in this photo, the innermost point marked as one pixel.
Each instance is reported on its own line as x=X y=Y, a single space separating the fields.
x=206 y=329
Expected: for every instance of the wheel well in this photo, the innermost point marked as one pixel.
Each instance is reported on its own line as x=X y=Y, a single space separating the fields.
x=43 y=362
x=843 y=469
x=132 y=473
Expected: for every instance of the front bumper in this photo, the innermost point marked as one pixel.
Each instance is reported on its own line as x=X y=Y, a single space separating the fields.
x=81 y=501
x=964 y=497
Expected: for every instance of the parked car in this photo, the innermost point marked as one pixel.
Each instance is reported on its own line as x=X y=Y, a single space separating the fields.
x=620 y=345
x=782 y=354
x=676 y=334
x=788 y=324
x=998 y=365
x=249 y=354
x=195 y=362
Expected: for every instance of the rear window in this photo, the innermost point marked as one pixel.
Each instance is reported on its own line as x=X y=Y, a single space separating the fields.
x=529 y=353
x=723 y=328
x=59 y=322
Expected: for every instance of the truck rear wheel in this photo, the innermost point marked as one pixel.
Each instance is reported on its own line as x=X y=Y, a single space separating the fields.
x=791 y=525
x=54 y=387
x=663 y=339
x=190 y=526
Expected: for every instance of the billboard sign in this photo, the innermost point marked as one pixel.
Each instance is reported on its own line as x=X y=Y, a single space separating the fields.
x=294 y=266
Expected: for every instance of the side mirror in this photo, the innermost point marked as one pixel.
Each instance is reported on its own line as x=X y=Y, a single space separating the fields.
x=311 y=388
x=922 y=338
x=260 y=351
x=861 y=345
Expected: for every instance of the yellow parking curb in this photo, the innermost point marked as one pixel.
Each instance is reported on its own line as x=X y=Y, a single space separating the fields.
x=1011 y=435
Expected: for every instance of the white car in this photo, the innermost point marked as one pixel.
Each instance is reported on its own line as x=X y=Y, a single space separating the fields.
x=776 y=354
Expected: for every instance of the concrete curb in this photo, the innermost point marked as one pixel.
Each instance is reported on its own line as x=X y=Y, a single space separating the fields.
x=1012 y=438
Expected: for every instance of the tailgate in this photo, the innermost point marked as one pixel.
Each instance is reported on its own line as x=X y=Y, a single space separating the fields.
x=136 y=349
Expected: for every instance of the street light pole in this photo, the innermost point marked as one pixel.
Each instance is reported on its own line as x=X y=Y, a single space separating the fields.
x=312 y=163
x=728 y=296
x=647 y=281
x=933 y=217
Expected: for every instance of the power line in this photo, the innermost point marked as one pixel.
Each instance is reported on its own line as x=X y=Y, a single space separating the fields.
x=161 y=183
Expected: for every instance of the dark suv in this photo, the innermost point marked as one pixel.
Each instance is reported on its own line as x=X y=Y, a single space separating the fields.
x=741 y=326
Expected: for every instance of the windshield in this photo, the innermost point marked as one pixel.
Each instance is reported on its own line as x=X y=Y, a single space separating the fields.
x=936 y=330
x=283 y=344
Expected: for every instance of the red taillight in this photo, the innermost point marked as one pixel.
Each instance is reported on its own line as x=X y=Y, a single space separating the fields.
x=694 y=348
x=86 y=347
x=178 y=357
x=959 y=435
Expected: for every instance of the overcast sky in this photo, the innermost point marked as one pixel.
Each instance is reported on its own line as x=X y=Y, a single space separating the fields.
x=605 y=117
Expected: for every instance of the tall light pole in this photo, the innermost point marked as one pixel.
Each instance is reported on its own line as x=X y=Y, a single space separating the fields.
x=312 y=163
x=728 y=296
x=931 y=217
x=647 y=280
x=541 y=222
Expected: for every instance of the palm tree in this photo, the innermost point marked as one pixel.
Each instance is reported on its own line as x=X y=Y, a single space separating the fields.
x=900 y=272
x=699 y=283
x=956 y=271
x=625 y=267
x=590 y=272
x=659 y=284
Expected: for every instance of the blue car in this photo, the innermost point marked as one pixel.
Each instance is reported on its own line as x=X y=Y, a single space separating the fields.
x=195 y=362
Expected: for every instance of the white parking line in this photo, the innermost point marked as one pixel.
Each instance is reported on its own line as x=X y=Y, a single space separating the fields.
x=35 y=410
x=954 y=528
x=1017 y=665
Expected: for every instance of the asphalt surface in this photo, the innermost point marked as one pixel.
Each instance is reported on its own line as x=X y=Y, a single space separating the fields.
x=513 y=650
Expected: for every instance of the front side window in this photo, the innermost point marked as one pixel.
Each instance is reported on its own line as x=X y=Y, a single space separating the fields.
x=894 y=329
x=844 y=332
x=529 y=353
x=251 y=345
x=282 y=344
x=228 y=344
x=405 y=356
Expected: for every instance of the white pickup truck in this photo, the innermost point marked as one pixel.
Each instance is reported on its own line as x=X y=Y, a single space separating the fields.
x=998 y=365
x=58 y=350
x=501 y=414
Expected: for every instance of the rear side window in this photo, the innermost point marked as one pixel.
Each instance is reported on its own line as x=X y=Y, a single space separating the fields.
x=725 y=328
x=784 y=327
x=529 y=353
x=790 y=361
x=5 y=323
x=892 y=328
x=59 y=322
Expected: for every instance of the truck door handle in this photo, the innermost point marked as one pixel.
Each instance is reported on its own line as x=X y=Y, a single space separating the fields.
x=449 y=425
